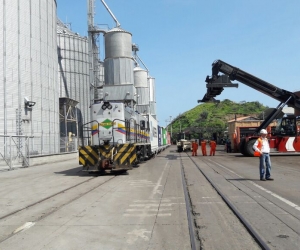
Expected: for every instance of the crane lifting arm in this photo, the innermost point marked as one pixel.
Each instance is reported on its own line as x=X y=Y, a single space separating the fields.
x=216 y=82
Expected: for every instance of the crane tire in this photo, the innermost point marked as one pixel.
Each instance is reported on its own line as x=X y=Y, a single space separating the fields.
x=249 y=148
x=242 y=147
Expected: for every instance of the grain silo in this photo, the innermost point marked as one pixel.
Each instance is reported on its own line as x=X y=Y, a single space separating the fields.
x=118 y=66
x=142 y=90
x=73 y=77
x=29 y=92
x=152 y=90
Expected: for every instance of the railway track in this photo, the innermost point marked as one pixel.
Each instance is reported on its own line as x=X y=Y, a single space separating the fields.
x=195 y=234
x=247 y=225
x=261 y=197
x=224 y=210
x=50 y=209
x=194 y=239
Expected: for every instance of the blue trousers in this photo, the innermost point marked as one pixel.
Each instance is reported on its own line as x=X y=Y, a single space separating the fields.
x=265 y=159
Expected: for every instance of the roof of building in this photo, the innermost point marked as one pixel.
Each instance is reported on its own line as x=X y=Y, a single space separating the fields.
x=244 y=118
x=63 y=28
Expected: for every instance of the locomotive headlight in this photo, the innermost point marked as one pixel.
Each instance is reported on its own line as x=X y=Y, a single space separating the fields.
x=104 y=106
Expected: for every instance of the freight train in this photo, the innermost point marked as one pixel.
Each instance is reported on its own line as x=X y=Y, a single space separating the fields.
x=123 y=130
x=120 y=139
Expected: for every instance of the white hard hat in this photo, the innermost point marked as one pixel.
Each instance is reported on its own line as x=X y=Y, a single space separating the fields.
x=263 y=131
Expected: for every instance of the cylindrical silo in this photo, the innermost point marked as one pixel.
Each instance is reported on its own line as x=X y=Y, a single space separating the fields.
x=141 y=85
x=118 y=63
x=152 y=88
x=140 y=78
x=73 y=72
x=29 y=74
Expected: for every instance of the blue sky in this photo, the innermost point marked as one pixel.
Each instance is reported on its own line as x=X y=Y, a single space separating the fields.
x=180 y=39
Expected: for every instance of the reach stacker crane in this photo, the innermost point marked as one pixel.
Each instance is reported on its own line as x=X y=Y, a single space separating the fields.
x=286 y=136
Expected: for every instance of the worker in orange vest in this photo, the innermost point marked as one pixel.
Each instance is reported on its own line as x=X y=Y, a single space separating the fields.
x=203 y=147
x=194 y=148
x=213 y=146
x=261 y=148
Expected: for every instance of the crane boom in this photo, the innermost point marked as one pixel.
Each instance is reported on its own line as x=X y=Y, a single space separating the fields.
x=284 y=136
x=216 y=82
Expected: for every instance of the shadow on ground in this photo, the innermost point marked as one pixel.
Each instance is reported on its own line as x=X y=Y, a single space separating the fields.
x=78 y=172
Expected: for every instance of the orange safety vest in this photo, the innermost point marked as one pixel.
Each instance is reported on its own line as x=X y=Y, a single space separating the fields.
x=259 y=146
x=213 y=144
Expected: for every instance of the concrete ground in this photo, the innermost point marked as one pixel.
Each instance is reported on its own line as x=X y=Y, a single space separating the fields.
x=57 y=206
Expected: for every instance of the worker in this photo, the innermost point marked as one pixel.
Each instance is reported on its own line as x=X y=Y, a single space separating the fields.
x=262 y=149
x=203 y=147
x=228 y=145
x=194 y=148
x=213 y=146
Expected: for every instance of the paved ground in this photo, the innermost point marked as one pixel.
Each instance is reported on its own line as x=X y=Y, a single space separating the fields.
x=141 y=210
x=57 y=206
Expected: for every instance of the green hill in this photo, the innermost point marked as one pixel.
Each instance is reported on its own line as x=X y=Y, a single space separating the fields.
x=208 y=118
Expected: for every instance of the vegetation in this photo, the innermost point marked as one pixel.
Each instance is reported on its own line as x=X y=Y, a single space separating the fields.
x=209 y=118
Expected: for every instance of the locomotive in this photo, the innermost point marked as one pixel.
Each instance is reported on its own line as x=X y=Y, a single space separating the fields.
x=123 y=130
x=121 y=138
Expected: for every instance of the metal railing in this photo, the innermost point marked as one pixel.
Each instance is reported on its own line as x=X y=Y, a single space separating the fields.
x=68 y=144
x=15 y=148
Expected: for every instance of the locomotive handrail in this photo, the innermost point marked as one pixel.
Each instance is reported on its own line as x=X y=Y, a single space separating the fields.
x=112 y=131
x=89 y=129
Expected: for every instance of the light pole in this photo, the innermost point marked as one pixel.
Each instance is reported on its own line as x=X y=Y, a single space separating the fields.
x=171 y=125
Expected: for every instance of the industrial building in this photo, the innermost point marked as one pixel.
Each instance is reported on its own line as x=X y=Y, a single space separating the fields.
x=51 y=76
x=73 y=83
x=45 y=92
x=29 y=92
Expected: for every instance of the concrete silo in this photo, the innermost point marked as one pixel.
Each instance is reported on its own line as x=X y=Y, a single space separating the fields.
x=29 y=93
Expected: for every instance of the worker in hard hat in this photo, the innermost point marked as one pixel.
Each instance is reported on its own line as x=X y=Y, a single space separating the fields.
x=194 y=148
x=262 y=150
x=203 y=147
x=213 y=146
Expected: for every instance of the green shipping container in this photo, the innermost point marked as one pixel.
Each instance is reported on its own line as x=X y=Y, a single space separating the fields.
x=164 y=136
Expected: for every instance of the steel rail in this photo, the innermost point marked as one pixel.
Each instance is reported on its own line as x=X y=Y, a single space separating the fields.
x=188 y=208
x=247 y=225
x=51 y=212
x=53 y=195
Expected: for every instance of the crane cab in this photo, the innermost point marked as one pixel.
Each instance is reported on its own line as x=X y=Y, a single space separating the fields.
x=287 y=126
x=286 y=137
